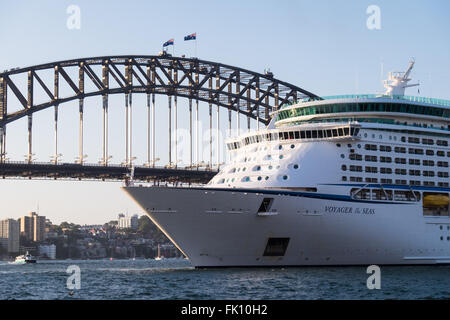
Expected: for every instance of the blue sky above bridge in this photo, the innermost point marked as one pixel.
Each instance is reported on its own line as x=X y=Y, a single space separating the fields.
x=322 y=46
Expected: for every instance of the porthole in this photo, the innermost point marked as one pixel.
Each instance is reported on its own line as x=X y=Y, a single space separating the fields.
x=259 y=178
x=245 y=179
x=281 y=156
x=365 y=135
x=442 y=238
x=338 y=145
x=344 y=167
x=342 y=156
x=280 y=147
x=295 y=166
x=267 y=178
x=292 y=146
x=359 y=146
x=270 y=167
x=232 y=180
x=257 y=168
x=285 y=177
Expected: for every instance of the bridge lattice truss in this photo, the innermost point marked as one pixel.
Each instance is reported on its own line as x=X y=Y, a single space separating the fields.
x=241 y=91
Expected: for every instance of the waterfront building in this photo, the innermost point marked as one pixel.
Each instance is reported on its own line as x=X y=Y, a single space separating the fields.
x=33 y=227
x=9 y=235
x=125 y=222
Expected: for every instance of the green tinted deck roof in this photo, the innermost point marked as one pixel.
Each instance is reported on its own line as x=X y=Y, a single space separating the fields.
x=432 y=101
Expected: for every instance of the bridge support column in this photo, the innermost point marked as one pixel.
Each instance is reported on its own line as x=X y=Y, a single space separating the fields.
x=81 y=113
x=197 y=137
x=131 y=130
x=257 y=105
x=80 y=131
x=3 y=143
x=105 y=131
x=30 y=138
x=3 y=113
x=248 y=109
x=176 y=129
x=210 y=123
x=148 y=130
x=190 y=132
x=238 y=106
x=56 y=135
x=126 y=129
x=153 y=131
x=170 y=130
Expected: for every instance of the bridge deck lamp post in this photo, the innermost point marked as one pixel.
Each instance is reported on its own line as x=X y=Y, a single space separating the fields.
x=29 y=157
x=151 y=163
x=55 y=157
x=104 y=161
x=81 y=160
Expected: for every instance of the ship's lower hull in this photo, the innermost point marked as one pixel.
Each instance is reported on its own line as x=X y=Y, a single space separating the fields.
x=222 y=228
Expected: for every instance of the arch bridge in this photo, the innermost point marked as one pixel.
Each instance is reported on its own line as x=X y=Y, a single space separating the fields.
x=242 y=92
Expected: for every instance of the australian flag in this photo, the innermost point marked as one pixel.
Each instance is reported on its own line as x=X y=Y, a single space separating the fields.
x=191 y=37
x=168 y=43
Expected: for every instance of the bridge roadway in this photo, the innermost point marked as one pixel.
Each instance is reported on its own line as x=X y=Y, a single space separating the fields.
x=102 y=173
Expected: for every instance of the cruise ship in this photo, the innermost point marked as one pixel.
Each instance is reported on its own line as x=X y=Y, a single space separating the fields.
x=344 y=180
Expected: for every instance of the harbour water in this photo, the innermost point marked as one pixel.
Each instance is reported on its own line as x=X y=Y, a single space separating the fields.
x=177 y=279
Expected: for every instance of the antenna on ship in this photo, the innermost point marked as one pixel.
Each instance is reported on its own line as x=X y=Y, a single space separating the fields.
x=398 y=81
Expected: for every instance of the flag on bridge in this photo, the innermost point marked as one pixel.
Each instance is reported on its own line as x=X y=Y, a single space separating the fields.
x=168 y=43
x=192 y=36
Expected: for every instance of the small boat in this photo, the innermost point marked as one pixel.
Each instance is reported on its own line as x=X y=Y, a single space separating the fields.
x=159 y=256
x=26 y=258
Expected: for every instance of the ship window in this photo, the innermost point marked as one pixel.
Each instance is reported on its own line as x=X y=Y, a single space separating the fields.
x=329 y=133
x=360 y=194
x=276 y=247
x=320 y=133
x=302 y=134
x=308 y=134
x=436 y=204
x=265 y=205
x=297 y=134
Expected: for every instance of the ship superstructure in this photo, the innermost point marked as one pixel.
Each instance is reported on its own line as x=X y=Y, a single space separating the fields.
x=355 y=179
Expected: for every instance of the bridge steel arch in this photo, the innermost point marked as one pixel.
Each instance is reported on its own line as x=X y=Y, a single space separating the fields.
x=238 y=90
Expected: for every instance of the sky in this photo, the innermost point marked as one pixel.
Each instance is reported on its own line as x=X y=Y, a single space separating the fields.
x=322 y=46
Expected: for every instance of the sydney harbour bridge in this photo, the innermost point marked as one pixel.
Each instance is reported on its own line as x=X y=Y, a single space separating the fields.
x=240 y=92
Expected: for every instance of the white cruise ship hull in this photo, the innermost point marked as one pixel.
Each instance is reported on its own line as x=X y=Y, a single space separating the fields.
x=223 y=228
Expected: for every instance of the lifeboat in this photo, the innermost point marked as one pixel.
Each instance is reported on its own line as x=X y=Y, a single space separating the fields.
x=436 y=200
